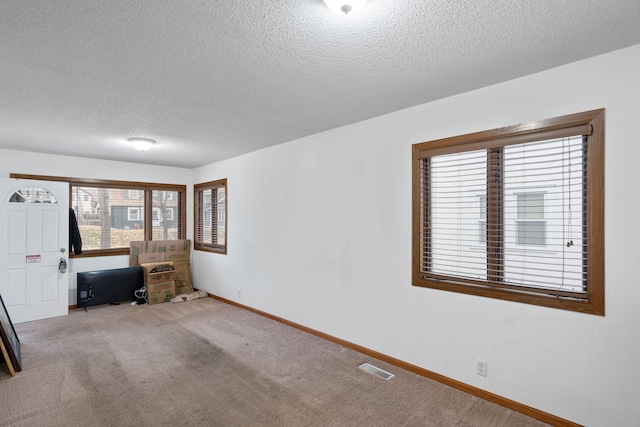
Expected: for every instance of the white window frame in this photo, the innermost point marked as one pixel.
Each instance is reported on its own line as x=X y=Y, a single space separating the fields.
x=133 y=213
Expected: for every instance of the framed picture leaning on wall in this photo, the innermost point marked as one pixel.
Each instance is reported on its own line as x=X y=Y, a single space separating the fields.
x=9 y=338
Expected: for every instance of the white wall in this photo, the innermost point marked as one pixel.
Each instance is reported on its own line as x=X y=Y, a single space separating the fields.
x=320 y=229
x=12 y=161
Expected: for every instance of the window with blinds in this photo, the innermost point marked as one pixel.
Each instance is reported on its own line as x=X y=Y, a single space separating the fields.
x=211 y=216
x=111 y=214
x=514 y=213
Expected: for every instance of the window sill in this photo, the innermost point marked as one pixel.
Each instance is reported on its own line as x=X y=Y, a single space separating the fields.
x=215 y=250
x=98 y=252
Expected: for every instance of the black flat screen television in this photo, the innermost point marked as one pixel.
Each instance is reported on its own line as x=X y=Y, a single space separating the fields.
x=108 y=286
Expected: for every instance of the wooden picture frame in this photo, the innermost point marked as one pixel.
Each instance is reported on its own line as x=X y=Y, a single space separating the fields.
x=10 y=339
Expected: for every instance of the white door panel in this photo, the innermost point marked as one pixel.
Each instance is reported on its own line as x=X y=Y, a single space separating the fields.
x=16 y=233
x=16 y=294
x=32 y=235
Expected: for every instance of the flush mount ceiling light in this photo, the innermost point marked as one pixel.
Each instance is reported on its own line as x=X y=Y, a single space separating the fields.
x=141 y=144
x=345 y=6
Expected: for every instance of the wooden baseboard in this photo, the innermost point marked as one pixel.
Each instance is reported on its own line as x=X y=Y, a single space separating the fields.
x=475 y=391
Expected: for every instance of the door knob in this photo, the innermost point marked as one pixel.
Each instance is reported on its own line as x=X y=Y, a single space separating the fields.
x=62 y=266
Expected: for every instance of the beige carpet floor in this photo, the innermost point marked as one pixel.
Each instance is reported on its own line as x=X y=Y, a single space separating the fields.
x=207 y=363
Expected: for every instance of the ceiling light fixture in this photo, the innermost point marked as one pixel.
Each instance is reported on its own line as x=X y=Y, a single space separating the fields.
x=345 y=6
x=141 y=144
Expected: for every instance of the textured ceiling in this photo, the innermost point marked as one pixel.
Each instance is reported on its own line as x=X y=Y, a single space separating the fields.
x=213 y=79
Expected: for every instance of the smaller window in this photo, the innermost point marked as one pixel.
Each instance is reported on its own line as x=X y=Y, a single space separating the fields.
x=530 y=224
x=163 y=195
x=133 y=214
x=211 y=216
x=134 y=194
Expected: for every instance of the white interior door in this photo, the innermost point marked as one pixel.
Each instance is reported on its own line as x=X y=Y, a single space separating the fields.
x=34 y=236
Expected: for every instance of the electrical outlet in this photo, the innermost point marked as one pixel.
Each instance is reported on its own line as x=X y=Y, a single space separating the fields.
x=239 y=293
x=481 y=368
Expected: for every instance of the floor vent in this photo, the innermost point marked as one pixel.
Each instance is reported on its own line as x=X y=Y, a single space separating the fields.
x=376 y=371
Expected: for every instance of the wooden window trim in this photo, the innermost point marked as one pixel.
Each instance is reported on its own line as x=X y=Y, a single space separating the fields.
x=589 y=123
x=198 y=214
x=146 y=187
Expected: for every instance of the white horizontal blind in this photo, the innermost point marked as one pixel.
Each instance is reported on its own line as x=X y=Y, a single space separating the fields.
x=165 y=215
x=544 y=214
x=218 y=224
x=540 y=225
x=108 y=218
x=456 y=222
x=204 y=202
x=211 y=216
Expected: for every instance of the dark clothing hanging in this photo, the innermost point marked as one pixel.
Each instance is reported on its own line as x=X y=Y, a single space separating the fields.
x=75 y=241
